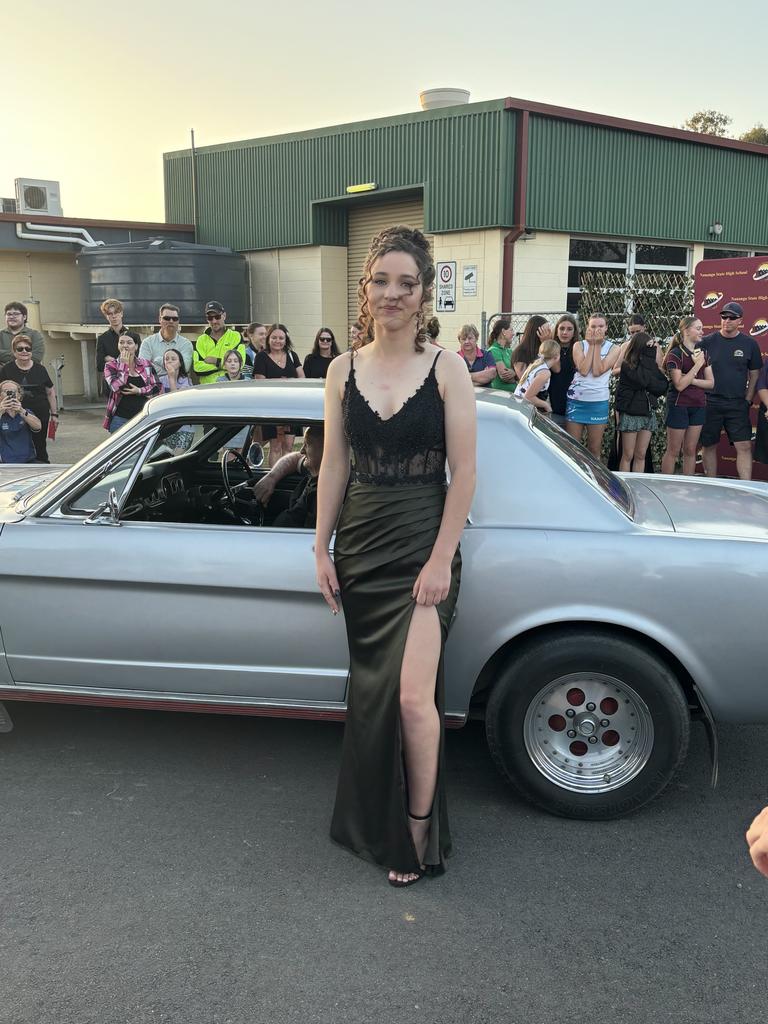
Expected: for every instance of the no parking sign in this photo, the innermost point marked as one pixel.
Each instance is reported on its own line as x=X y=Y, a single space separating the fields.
x=445 y=300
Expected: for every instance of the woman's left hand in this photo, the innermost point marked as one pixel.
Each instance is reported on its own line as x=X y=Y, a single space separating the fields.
x=433 y=583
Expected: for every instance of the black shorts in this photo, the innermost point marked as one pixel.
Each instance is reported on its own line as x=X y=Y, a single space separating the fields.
x=731 y=415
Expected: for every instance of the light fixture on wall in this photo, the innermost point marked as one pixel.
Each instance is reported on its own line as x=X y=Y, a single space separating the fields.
x=527 y=235
x=715 y=229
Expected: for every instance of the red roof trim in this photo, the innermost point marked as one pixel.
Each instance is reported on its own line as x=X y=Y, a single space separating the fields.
x=604 y=121
x=81 y=222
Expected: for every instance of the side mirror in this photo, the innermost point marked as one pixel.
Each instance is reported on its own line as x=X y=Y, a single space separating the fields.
x=255 y=456
x=107 y=514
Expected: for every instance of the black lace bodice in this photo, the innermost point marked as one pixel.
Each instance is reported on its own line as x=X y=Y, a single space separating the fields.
x=406 y=448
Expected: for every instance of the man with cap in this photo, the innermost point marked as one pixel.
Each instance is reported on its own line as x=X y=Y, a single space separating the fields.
x=736 y=361
x=211 y=347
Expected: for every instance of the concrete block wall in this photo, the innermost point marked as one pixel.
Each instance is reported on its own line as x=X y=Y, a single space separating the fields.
x=540 y=278
x=304 y=287
x=482 y=248
x=49 y=284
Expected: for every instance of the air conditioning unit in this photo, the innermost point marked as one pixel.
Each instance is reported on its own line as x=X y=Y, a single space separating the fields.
x=36 y=196
x=8 y=206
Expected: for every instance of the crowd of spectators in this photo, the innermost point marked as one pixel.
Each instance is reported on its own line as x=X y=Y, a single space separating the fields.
x=583 y=383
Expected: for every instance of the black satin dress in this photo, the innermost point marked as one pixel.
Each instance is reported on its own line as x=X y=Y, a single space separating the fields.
x=388 y=526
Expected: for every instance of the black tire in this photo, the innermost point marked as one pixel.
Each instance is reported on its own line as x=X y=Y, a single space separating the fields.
x=535 y=666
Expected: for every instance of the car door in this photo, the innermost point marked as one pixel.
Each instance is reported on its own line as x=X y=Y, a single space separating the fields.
x=187 y=608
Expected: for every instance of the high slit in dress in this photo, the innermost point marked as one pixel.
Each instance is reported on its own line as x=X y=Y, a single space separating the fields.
x=387 y=528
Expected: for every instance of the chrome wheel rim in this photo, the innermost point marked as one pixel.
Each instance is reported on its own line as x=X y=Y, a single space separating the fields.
x=588 y=733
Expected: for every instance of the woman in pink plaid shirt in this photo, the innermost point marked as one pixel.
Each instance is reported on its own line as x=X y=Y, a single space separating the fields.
x=130 y=380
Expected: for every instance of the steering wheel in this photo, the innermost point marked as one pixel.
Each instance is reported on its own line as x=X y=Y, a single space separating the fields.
x=233 y=498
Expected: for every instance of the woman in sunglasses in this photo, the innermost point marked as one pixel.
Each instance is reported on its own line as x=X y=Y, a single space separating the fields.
x=38 y=391
x=323 y=352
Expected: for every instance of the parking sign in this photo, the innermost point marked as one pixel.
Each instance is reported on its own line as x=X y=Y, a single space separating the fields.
x=445 y=300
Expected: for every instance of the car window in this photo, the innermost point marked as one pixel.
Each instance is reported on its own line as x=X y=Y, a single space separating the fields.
x=116 y=475
x=610 y=484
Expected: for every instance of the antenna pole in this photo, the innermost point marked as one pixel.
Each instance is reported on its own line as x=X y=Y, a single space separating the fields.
x=194 y=183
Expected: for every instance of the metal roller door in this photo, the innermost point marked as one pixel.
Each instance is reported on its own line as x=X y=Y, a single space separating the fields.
x=365 y=221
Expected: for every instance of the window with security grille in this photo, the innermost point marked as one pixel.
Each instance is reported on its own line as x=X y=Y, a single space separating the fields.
x=588 y=255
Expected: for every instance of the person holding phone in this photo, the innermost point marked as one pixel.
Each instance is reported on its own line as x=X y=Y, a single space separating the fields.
x=17 y=425
x=39 y=394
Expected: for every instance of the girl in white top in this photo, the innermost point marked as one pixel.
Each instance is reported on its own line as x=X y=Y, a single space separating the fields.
x=588 y=396
x=534 y=383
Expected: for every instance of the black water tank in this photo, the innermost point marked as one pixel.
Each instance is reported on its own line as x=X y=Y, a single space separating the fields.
x=142 y=275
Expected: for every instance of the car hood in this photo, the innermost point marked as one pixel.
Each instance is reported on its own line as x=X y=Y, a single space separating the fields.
x=19 y=482
x=719 y=508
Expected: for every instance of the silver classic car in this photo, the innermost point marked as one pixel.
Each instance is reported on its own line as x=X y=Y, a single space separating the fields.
x=598 y=613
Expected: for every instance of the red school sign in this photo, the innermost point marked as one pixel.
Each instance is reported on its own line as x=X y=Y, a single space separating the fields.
x=744 y=281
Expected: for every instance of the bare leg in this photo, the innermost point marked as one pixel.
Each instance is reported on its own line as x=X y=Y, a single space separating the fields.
x=674 y=443
x=595 y=433
x=641 y=448
x=690 y=447
x=420 y=721
x=709 y=458
x=743 y=459
x=628 y=441
x=576 y=430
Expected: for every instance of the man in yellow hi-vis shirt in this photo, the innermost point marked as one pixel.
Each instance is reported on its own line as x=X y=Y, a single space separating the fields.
x=211 y=347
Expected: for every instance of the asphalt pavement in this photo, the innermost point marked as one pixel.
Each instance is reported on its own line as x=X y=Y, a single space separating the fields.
x=160 y=867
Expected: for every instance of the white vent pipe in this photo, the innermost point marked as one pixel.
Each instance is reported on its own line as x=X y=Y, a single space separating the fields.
x=39 y=232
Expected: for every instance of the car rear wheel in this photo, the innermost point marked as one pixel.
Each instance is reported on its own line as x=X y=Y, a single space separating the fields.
x=587 y=725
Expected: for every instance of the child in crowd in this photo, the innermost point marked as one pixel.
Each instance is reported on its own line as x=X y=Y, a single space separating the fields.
x=232 y=367
x=174 y=377
x=534 y=382
x=17 y=425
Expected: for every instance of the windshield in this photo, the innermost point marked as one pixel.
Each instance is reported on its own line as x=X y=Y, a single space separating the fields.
x=611 y=485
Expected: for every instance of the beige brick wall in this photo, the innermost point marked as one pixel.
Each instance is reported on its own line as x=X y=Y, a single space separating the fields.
x=482 y=248
x=540 y=277
x=334 y=292
x=53 y=281
x=304 y=287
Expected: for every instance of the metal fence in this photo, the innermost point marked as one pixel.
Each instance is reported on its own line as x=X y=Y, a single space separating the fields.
x=519 y=320
x=662 y=297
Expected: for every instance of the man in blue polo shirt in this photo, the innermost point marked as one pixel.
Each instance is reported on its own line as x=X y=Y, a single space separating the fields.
x=736 y=361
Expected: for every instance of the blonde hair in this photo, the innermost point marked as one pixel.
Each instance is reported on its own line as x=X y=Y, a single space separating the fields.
x=677 y=339
x=18 y=338
x=549 y=349
x=467 y=329
x=112 y=306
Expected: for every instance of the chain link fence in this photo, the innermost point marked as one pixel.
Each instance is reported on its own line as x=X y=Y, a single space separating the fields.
x=518 y=320
x=662 y=297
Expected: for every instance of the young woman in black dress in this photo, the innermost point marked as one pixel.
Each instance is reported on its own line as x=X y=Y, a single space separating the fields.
x=396 y=409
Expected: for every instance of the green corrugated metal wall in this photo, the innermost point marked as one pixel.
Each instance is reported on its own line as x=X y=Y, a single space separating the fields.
x=589 y=179
x=268 y=193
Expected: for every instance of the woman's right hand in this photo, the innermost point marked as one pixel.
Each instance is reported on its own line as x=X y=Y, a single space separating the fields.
x=327 y=580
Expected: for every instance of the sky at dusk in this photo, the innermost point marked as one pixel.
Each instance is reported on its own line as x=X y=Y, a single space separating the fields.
x=103 y=90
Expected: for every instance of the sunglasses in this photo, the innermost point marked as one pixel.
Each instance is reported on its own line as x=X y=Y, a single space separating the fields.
x=23 y=348
x=213 y=316
x=728 y=316
x=170 y=318
x=324 y=337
